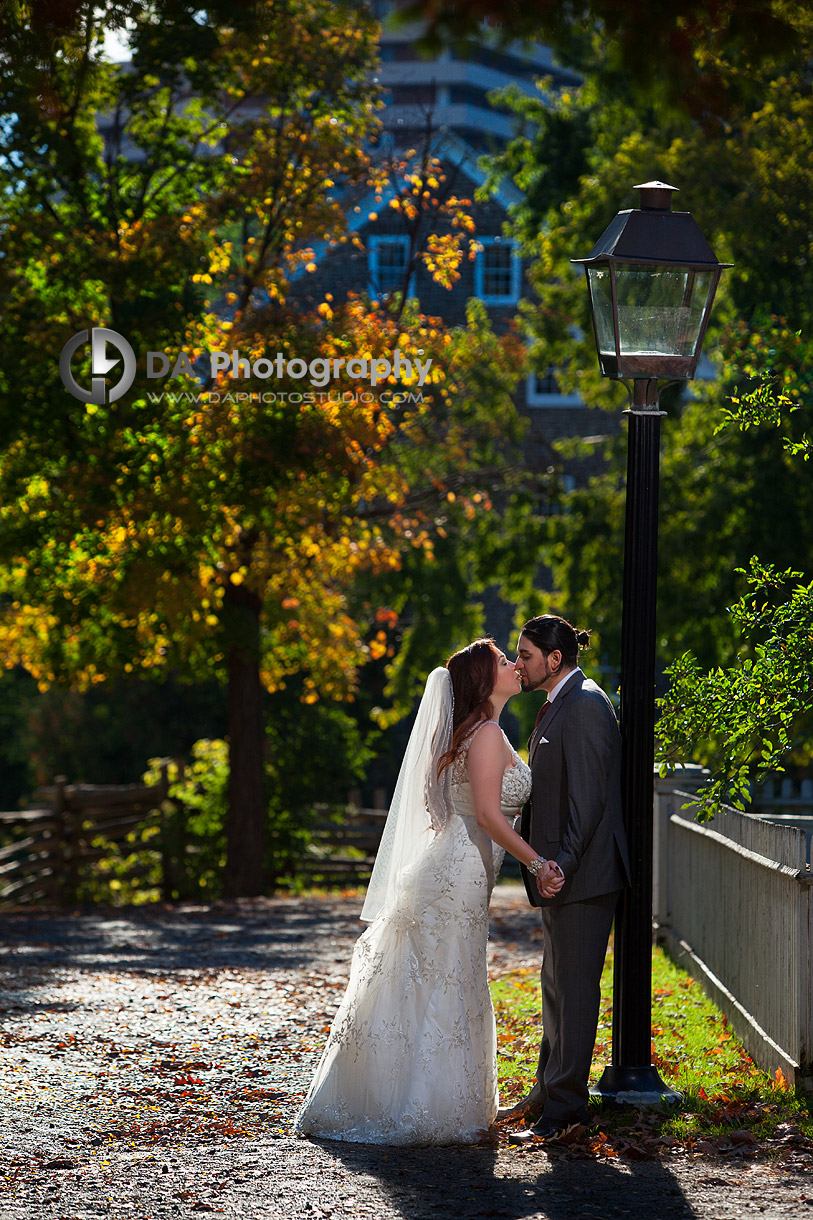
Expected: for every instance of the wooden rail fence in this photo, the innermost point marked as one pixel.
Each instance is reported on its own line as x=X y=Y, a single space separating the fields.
x=54 y=843
x=342 y=852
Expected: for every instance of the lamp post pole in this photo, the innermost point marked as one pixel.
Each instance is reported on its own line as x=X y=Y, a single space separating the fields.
x=652 y=277
x=632 y=1076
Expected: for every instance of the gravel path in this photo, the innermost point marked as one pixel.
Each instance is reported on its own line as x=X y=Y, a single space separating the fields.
x=151 y=1060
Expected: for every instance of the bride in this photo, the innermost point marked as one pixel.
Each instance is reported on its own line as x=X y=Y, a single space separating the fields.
x=412 y=1053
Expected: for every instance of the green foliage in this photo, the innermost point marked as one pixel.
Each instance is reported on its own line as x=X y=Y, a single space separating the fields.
x=730 y=475
x=548 y=161
x=738 y=697
x=724 y=495
x=744 y=720
x=746 y=183
x=314 y=754
x=751 y=717
x=780 y=362
x=194 y=818
x=127 y=873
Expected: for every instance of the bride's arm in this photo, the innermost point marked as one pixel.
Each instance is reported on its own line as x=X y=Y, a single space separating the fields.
x=486 y=762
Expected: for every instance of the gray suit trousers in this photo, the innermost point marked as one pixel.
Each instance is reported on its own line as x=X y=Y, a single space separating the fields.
x=576 y=936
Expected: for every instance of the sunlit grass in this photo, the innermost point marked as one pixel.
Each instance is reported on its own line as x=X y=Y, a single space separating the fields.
x=693 y=1047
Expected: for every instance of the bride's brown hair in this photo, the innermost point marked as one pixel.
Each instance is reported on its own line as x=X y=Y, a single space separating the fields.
x=474 y=674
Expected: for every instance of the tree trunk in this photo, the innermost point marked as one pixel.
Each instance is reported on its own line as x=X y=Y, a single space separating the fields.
x=245 y=829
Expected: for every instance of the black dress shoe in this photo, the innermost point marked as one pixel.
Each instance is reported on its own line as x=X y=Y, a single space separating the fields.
x=549 y=1131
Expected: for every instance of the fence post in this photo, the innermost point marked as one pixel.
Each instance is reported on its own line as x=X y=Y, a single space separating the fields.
x=65 y=863
x=687 y=777
x=166 y=856
x=173 y=837
x=806 y=968
x=163 y=783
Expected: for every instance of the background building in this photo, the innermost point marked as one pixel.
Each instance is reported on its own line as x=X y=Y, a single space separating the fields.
x=444 y=106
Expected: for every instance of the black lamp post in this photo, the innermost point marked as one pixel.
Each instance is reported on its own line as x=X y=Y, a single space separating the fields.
x=652 y=278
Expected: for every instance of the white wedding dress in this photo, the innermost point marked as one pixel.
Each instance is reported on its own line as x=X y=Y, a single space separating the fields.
x=412 y=1053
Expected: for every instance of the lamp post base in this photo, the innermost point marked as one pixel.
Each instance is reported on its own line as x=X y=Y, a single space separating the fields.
x=634 y=1086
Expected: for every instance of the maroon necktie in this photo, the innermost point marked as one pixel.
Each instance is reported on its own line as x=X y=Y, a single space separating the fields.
x=542 y=711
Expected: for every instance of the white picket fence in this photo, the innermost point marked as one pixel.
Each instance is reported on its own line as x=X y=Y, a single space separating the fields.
x=732 y=905
x=786 y=802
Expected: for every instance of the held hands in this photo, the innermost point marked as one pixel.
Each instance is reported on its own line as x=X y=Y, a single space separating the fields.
x=549 y=879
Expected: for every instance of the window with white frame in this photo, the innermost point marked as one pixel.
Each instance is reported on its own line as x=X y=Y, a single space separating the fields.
x=497 y=271
x=542 y=389
x=387 y=263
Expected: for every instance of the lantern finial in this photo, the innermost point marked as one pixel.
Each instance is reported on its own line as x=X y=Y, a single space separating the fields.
x=656 y=196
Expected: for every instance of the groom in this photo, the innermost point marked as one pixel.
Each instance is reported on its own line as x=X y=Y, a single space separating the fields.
x=574 y=820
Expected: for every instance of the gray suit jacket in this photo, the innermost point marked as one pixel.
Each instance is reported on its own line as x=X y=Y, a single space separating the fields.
x=574 y=814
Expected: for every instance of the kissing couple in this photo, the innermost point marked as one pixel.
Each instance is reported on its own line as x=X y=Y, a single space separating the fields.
x=411 y=1057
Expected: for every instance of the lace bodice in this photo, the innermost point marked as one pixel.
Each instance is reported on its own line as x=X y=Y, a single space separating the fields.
x=516 y=781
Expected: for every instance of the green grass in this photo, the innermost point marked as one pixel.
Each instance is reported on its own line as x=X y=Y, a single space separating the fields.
x=729 y=1103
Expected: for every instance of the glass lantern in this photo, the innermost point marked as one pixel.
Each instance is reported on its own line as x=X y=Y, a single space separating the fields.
x=652 y=278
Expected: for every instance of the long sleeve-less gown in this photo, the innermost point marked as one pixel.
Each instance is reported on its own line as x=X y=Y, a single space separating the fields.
x=411 y=1057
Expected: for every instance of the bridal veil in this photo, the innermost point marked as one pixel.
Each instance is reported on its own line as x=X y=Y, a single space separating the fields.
x=422 y=801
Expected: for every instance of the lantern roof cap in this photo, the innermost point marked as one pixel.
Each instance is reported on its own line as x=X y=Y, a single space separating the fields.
x=653 y=235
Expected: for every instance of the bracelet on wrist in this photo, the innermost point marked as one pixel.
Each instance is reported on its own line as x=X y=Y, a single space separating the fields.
x=535 y=867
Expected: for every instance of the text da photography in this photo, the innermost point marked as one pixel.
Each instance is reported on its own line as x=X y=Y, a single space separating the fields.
x=320 y=371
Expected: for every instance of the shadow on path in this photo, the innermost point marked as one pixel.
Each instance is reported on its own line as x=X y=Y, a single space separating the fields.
x=281 y=935
x=427 y=1182
x=275 y=934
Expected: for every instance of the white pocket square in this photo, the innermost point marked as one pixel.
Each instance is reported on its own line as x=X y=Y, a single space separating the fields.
x=543 y=741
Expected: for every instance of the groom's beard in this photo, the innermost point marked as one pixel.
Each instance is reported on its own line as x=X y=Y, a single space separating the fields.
x=528 y=685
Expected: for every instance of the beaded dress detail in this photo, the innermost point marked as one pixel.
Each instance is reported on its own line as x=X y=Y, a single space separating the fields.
x=411 y=1057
